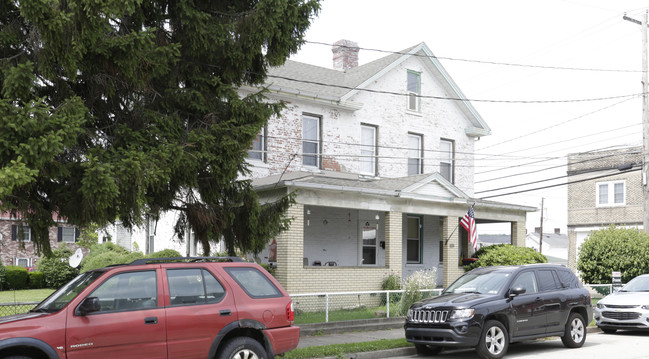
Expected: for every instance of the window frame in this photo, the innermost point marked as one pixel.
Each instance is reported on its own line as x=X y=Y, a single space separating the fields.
x=204 y=283
x=419 y=239
x=416 y=93
x=317 y=141
x=610 y=195
x=369 y=152
x=373 y=247
x=18 y=259
x=157 y=303
x=420 y=153
x=230 y=270
x=64 y=239
x=261 y=152
x=448 y=158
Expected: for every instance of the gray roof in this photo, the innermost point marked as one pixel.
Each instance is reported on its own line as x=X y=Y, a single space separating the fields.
x=553 y=239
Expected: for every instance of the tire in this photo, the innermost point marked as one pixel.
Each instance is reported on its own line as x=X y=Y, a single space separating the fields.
x=494 y=340
x=242 y=348
x=426 y=350
x=608 y=331
x=574 y=335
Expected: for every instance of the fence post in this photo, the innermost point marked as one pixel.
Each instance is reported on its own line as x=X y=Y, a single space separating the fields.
x=387 y=301
x=327 y=308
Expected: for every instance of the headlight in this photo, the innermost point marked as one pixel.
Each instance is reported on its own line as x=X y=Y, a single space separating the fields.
x=600 y=305
x=409 y=314
x=645 y=307
x=461 y=314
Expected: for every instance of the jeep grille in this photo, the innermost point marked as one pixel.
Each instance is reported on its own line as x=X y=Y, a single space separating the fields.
x=429 y=316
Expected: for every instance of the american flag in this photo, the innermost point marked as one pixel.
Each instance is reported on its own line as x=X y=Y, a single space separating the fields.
x=468 y=222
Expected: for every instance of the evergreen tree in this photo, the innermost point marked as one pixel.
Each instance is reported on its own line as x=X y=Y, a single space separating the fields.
x=118 y=108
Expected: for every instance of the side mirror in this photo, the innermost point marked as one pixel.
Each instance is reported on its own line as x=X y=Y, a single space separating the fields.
x=514 y=292
x=89 y=305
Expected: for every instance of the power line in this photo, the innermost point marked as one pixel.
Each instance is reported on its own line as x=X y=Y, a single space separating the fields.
x=455 y=98
x=478 y=61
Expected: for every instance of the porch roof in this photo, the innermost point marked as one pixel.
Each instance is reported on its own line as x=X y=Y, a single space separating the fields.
x=426 y=188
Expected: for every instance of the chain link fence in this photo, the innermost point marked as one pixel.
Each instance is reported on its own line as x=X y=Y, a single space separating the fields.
x=332 y=307
x=16 y=308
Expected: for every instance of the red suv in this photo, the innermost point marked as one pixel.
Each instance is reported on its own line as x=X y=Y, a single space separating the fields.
x=189 y=307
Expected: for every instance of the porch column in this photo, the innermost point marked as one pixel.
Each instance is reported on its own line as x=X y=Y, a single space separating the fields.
x=394 y=241
x=518 y=234
x=290 y=249
x=450 y=237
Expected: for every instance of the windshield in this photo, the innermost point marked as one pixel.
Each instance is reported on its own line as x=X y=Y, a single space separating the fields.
x=65 y=294
x=637 y=284
x=480 y=282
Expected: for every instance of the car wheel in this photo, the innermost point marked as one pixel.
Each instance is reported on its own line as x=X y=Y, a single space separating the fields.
x=494 y=340
x=609 y=331
x=243 y=348
x=424 y=350
x=574 y=335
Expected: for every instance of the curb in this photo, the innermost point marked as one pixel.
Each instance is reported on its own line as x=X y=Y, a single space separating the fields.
x=387 y=353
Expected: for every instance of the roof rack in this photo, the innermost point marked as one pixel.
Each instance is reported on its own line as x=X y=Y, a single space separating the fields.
x=184 y=259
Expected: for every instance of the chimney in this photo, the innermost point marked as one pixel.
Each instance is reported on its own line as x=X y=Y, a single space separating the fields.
x=345 y=54
x=557 y=231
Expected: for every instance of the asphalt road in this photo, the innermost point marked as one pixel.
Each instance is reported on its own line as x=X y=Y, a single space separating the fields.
x=622 y=345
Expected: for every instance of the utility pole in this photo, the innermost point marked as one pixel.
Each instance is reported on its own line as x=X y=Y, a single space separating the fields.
x=541 y=230
x=645 y=120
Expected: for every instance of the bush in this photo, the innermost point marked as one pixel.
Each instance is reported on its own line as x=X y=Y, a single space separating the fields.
x=16 y=277
x=56 y=269
x=3 y=277
x=424 y=279
x=613 y=249
x=36 y=280
x=505 y=255
x=105 y=254
x=165 y=253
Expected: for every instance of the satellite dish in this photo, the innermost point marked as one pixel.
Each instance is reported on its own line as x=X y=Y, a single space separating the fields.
x=76 y=258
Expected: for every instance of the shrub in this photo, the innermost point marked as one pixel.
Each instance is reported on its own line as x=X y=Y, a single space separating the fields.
x=165 y=253
x=610 y=249
x=105 y=254
x=56 y=269
x=424 y=279
x=505 y=255
x=36 y=280
x=16 y=277
x=3 y=275
x=391 y=282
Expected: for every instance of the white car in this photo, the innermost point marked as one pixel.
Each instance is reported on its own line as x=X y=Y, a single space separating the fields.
x=626 y=309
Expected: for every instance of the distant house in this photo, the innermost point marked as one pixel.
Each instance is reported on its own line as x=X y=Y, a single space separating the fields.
x=554 y=245
x=604 y=188
x=492 y=239
x=13 y=251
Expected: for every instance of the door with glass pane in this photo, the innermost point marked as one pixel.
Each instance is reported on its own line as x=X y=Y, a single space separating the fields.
x=369 y=244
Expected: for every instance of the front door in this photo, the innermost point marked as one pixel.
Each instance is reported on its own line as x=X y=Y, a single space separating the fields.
x=527 y=307
x=130 y=323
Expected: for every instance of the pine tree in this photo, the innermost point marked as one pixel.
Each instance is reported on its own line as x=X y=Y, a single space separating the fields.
x=119 y=108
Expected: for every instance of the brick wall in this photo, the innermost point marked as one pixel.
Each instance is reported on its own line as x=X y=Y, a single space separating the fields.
x=10 y=249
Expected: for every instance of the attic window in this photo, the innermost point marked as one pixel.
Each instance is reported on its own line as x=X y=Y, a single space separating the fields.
x=414 y=91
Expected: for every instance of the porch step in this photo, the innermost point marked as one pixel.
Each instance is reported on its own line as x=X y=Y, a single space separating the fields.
x=351 y=326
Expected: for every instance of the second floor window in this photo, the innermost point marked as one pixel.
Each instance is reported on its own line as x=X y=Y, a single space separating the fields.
x=611 y=194
x=311 y=141
x=447 y=161
x=258 y=149
x=368 y=150
x=414 y=91
x=415 y=154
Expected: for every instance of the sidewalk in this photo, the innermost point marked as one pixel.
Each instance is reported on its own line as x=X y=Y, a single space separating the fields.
x=350 y=337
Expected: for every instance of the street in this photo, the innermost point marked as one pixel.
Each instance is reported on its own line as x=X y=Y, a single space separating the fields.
x=623 y=345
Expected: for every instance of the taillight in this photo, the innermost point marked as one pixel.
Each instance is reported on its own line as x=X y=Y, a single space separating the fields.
x=290 y=314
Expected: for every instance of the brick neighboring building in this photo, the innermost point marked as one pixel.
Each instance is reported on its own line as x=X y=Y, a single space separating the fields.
x=15 y=252
x=605 y=188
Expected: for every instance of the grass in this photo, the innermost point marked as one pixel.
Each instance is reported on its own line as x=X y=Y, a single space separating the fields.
x=25 y=295
x=344 y=314
x=338 y=350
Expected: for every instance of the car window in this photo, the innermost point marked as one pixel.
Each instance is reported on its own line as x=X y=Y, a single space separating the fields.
x=193 y=286
x=526 y=280
x=637 y=284
x=253 y=282
x=568 y=279
x=128 y=291
x=546 y=280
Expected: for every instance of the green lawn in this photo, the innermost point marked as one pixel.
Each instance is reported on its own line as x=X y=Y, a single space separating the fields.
x=26 y=295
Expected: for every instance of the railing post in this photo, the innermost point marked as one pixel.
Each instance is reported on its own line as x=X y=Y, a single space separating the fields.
x=387 y=301
x=327 y=308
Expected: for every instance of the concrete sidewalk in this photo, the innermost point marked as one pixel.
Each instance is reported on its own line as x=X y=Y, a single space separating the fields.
x=350 y=337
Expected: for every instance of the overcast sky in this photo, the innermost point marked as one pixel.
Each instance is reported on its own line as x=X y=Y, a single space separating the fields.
x=553 y=53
